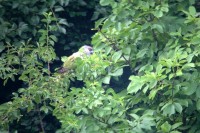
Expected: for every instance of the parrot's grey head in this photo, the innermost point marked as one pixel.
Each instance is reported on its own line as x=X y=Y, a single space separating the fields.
x=88 y=50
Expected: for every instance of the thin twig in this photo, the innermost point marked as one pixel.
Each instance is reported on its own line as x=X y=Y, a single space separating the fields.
x=115 y=47
x=41 y=122
x=54 y=17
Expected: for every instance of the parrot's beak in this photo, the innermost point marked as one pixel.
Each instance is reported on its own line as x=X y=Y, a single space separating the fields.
x=88 y=50
x=91 y=52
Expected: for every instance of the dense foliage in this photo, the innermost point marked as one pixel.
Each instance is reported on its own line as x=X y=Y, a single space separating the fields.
x=154 y=44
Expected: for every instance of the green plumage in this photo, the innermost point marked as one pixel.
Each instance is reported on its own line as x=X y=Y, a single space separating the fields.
x=69 y=63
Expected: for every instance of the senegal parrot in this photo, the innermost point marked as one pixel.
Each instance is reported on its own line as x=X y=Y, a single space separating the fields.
x=83 y=52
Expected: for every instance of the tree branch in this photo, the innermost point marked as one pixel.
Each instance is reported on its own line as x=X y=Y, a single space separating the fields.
x=113 y=43
x=41 y=122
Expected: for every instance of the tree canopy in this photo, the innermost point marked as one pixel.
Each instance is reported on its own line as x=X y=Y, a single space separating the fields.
x=142 y=77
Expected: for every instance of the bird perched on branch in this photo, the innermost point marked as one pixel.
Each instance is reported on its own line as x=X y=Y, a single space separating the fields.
x=69 y=63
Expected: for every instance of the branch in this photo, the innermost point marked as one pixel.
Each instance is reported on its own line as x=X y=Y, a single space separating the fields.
x=41 y=122
x=115 y=47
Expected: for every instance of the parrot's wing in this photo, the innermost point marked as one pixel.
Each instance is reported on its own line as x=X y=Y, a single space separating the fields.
x=70 y=60
x=74 y=56
x=69 y=63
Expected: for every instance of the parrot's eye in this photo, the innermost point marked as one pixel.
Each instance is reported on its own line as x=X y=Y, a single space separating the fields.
x=90 y=49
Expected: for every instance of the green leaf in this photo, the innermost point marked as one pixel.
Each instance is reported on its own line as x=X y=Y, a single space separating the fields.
x=195 y=40
x=66 y=2
x=166 y=127
x=175 y=132
x=189 y=88
x=2 y=47
x=135 y=85
x=85 y=110
x=108 y=49
x=171 y=75
x=107 y=23
x=178 y=107
x=44 y=109
x=117 y=72
x=198 y=92
x=158 y=13
x=158 y=68
x=141 y=53
x=37 y=98
x=35 y=20
x=179 y=72
x=62 y=29
x=135 y=116
x=146 y=68
x=165 y=8
x=106 y=80
x=152 y=94
x=188 y=65
x=168 y=109
x=157 y=27
x=63 y=21
x=54 y=38
x=58 y=8
x=106 y=2
x=192 y=11
x=190 y=57
x=95 y=16
x=198 y=104
x=153 y=82
x=97 y=103
x=176 y=125
x=126 y=50
x=183 y=102
x=145 y=88
x=118 y=26
x=116 y=56
x=99 y=22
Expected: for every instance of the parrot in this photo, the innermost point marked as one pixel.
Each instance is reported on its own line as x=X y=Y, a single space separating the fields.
x=68 y=64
